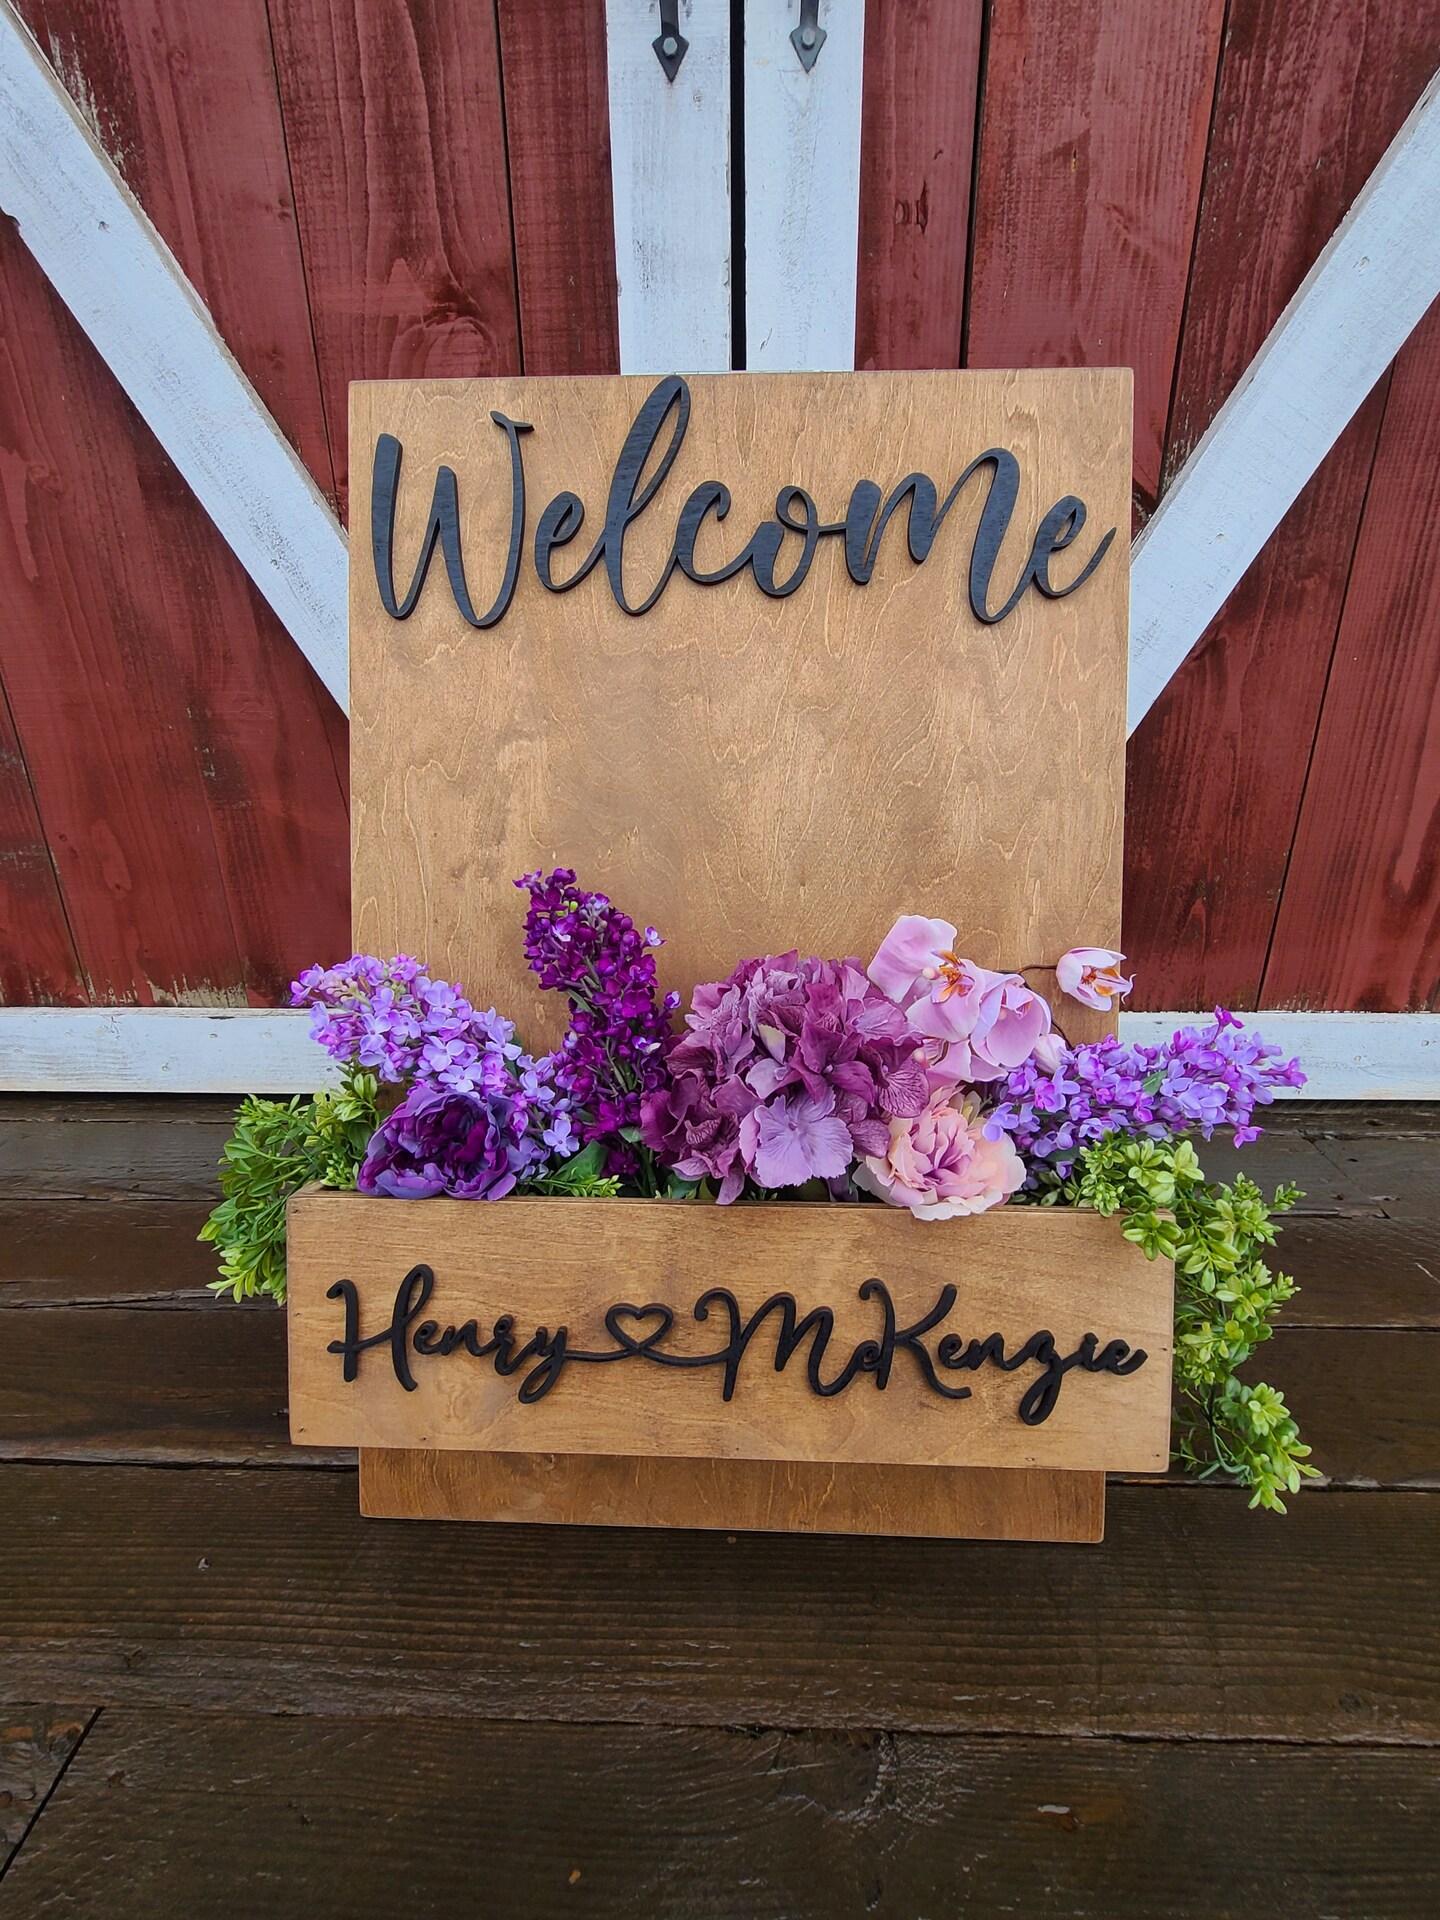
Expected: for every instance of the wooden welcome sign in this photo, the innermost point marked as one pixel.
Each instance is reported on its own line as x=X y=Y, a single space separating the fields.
x=771 y=660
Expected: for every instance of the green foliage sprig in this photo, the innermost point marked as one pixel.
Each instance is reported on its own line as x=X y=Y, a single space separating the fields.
x=278 y=1146
x=1225 y=1298
x=580 y=1177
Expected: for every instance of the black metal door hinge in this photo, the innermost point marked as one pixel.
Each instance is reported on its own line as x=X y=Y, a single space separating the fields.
x=670 y=44
x=809 y=36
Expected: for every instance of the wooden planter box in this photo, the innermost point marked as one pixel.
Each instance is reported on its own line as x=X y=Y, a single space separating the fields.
x=894 y=1412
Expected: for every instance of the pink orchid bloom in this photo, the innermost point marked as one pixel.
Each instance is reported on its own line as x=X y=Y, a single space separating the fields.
x=912 y=945
x=977 y=1024
x=918 y=967
x=1092 y=976
x=1013 y=1020
x=1049 y=1054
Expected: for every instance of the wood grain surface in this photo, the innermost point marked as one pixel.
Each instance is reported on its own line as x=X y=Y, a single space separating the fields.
x=396 y=134
x=182 y=95
x=36 y=1743
x=1091 y=156
x=1359 y=920
x=163 y=1814
x=379 y=190
x=746 y=774
x=180 y=749
x=265 y=1592
x=125 y=1253
x=553 y=1264
x=557 y=144
x=1310 y=94
x=748 y=1496
x=620 y=1695
x=917 y=149
x=186 y=764
x=44 y=968
x=170 y=1385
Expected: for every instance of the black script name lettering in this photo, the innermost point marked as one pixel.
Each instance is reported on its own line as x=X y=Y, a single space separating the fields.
x=641 y=1333
x=638 y=476
x=411 y=1297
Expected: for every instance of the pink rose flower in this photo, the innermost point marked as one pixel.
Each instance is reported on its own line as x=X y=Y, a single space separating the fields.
x=940 y=1164
x=1092 y=976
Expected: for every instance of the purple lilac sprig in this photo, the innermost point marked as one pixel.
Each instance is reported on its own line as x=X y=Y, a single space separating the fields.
x=1201 y=1079
x=479 y=1114
x=613 y=1053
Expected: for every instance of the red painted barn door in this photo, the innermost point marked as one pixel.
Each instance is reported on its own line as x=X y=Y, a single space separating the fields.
x=186 y=766
x=1359 y=921
x=1310 y=94
x=334 y=177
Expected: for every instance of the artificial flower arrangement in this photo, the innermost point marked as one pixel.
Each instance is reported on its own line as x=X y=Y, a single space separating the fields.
x=922 y=1081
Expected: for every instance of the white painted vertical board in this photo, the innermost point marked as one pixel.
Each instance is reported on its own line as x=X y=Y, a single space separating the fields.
x=802 y=187
x=1350 y=316
x=670 y=183
x=117 y=276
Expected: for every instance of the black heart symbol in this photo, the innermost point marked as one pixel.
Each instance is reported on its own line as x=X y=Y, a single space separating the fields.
x=637 y=1316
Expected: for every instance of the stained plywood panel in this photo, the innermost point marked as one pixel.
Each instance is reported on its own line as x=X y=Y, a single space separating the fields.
x=917 y=148
x=395 y=128
x=747 y=773
x=557 y=132
x=1359 y=922
x=748 y=1496
x=1092 y=149
x=724 y=768
x=1310 y=94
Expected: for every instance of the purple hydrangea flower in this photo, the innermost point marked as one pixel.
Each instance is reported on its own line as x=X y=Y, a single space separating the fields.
x=612 y=1055
x=1202 y=1078
x=789 y=1070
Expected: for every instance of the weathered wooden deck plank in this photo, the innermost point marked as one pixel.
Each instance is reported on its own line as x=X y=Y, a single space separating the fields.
x=133 y=1251
x=35 y=1744
x=165 y=1815
x=267 y=1591
x=169 y=1148
x=175 y=1388
x=1359 y=1271
x=1353 y=1270
x=109 y=1384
